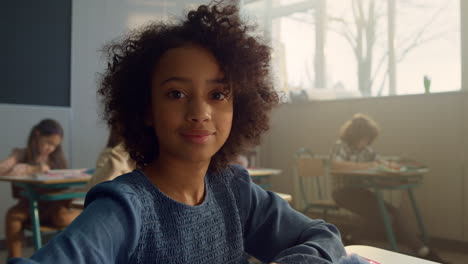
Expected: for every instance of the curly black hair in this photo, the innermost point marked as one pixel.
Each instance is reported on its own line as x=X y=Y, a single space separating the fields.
x=125 y=87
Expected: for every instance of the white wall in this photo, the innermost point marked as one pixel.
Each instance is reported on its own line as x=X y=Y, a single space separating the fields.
x=17 y=121
x=464 y=53
x=90 y=29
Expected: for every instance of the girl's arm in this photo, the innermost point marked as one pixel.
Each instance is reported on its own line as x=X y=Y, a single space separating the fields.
x=274 y=232
x=107 y=231
x=11 y=167
x=23 y=169
x=9 y=163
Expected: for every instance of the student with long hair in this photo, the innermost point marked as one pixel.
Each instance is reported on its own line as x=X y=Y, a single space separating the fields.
x=42 y=153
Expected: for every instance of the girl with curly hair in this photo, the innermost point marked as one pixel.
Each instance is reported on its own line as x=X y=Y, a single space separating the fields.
x=42 y=153
x=187 y=98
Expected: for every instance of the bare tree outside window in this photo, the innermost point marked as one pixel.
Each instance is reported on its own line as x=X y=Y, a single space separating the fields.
x=364 y=47
x=365 y=28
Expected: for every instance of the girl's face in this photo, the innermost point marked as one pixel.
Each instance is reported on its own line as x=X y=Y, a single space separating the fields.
x=48 y=144
x=191 y=110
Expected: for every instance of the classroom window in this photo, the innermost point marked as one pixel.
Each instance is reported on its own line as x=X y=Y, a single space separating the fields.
x=331 y=49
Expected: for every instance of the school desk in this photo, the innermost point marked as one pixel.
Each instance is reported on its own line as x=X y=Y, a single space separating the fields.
x=262 y=176
x=29 y=185
x=379 y=181
x=382 y=256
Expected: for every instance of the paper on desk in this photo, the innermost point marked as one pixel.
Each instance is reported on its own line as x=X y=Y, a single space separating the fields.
x=63 y=174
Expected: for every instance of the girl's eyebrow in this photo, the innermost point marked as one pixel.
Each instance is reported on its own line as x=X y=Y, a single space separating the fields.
x=187 y=80
x=174 y=79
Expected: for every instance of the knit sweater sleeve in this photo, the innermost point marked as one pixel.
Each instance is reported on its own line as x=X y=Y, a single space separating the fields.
x=107 y=231
x=274 y=232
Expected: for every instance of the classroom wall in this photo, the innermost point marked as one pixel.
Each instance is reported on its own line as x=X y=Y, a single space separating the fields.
x=17 y=120
x=464 y=62
x=429 y=128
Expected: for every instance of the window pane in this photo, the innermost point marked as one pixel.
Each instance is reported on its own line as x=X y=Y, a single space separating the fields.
x=426 y=43
x=438 y=53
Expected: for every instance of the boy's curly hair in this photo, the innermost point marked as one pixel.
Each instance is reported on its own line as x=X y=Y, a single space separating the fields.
x=359 y=127
x=125 y=87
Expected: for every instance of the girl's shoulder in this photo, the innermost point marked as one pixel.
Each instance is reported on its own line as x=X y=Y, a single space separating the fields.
x=230 y=172
x=19 y=154
x=232 y=175
x=16 y=156
x=124 y=187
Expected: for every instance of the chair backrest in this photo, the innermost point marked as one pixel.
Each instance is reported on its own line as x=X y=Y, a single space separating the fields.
x=310 y=166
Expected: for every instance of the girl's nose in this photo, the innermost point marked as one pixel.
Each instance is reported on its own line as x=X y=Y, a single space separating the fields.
x=198 y=111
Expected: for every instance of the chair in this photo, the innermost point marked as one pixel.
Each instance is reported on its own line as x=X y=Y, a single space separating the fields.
x=308 y=166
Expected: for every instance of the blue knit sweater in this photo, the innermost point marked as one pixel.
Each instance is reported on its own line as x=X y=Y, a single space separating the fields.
x=128 y=220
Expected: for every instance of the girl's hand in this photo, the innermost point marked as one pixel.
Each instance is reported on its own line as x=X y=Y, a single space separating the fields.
x=391 y=165
x=43 y=168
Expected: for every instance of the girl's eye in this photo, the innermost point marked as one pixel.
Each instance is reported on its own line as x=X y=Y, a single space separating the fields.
x=176 y=94
x=218 y=96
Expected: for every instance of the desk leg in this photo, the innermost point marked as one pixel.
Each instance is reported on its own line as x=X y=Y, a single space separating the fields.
x=386 y=219
x=422 y=228
x=33 y=207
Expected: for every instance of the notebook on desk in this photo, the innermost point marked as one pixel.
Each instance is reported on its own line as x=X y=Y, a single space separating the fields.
x=62 y=174
x=402 y=169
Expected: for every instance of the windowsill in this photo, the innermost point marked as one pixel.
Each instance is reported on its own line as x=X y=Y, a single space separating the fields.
x=389 y=97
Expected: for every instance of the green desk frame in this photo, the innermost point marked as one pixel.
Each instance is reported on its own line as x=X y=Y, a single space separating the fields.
x=34 y=197
x=382 y=183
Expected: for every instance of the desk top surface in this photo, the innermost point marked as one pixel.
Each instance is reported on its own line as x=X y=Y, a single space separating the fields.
x=54 y=177
x=263 y=171
x=82 y=177
x=382 y=256
x=380 y=173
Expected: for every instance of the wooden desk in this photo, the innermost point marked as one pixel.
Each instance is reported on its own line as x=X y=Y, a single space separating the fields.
x=379 y=181
x=382 y=256
x=262 y=176
x=258 y=172
x=285 y=196
x=29 y=184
